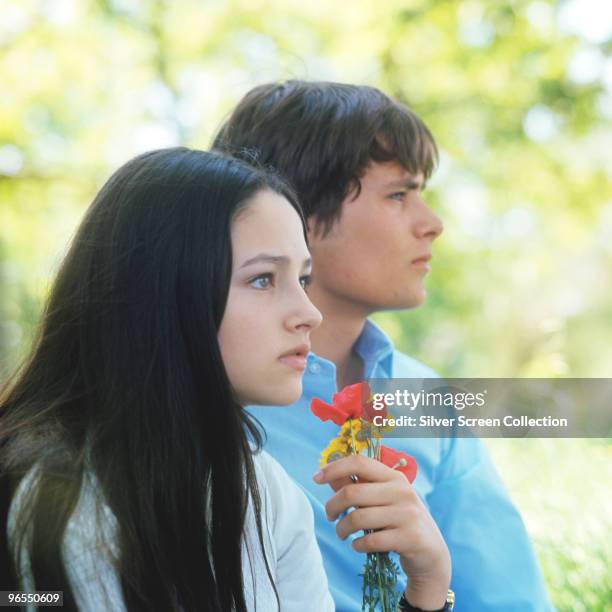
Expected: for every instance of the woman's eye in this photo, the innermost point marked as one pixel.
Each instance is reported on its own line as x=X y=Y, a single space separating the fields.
x=398 y=195
x=263 y=281
x=305 y=280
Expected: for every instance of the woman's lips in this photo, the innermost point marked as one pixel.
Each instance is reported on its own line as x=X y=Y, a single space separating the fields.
x=297 y=362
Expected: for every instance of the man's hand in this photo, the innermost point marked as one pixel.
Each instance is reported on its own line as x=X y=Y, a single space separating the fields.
x=386 y=502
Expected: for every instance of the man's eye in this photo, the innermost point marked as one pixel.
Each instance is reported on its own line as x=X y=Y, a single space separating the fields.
x=305 y=280
x=263 y=281
x=398 y=195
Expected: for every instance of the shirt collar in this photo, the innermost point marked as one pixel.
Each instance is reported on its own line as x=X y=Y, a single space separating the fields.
x=375 y=349
x=373 y=346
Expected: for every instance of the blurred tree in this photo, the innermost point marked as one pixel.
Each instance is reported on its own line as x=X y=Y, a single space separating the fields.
x=519 y=104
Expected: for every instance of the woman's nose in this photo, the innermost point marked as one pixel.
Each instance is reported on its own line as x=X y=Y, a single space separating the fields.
x=305 y=314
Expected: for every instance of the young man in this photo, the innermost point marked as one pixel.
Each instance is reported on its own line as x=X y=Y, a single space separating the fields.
x=359 y=162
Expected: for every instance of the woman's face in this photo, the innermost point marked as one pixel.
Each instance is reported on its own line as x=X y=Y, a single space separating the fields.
x=264 y=334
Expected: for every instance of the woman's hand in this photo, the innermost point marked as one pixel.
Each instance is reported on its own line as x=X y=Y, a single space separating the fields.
x=386 y=502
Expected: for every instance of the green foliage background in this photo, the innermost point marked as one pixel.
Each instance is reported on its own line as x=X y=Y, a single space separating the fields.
x=519 y=96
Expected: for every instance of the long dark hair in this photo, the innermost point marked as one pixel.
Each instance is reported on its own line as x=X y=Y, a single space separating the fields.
x=126 y=381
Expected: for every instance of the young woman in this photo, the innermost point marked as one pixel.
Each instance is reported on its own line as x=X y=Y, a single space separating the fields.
x=130 y=473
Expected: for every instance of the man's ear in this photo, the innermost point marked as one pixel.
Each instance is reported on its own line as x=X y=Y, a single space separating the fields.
x=317 y=229
x=312 y=227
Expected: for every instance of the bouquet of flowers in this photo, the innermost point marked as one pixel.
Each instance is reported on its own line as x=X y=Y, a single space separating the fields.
x=352 y=411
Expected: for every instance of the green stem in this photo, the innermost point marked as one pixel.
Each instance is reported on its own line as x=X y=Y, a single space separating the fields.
x=381 y=590
x=353 y=437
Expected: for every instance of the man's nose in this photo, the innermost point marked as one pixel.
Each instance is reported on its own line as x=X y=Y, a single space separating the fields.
x=429 y=224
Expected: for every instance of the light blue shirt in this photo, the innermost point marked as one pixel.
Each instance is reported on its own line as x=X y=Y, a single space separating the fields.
x=493 y=562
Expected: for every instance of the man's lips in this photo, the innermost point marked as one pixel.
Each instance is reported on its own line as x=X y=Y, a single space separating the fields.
x=422 y=262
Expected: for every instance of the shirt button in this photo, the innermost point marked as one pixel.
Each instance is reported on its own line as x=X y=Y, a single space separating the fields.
x=314 y=368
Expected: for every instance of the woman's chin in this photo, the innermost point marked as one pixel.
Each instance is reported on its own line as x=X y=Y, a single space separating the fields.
x=279 y=397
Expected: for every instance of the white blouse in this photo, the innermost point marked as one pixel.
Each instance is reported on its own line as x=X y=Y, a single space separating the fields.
x=288 y=536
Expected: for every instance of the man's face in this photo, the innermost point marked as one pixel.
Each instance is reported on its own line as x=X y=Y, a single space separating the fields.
x=375 y=254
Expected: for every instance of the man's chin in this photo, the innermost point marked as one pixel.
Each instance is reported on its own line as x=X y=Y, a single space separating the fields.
x=405 y=302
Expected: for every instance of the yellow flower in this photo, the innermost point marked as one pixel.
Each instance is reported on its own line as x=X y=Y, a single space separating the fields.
x=352 y=439
x=355 y=438
x=336 y=449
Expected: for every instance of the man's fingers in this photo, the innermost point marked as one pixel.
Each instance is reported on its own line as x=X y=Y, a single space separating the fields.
x=363 y=467
x=379 y=541
x=340 y=483
x=367 y=518
x=360 y=495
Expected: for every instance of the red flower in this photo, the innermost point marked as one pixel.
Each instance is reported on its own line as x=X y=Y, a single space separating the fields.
x=369 y=412
x=347 y=404
x=402 y=462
